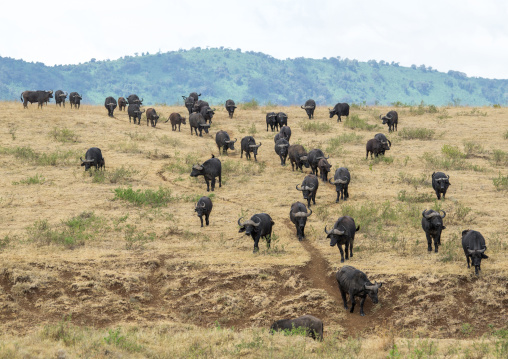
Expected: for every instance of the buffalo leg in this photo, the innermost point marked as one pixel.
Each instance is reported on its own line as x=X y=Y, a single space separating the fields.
x=213 y=183
x=429 y=242
x=351 y=248
x=241 y=153
x=256 y=244
x=438 y=195
x=201 y=219
x=437 y=242
x=346 y=191
x=338 y=196
x=362 y=313
x=314 y=196
x=206 y=218
x=308 y=201
x=220 y=181
x=341 y=253
x=343 y=294
x=207 y=185
x=255 y=158
x=346 y=249
x=353 y=302
x=268 y=239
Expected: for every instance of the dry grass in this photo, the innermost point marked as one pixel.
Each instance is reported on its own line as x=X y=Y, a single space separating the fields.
x=167 y=283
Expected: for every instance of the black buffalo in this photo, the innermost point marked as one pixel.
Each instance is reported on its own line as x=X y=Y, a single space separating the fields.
x=324 y=168
x=152 y=117
x=196 y=121
x=193 y=95
x=75 y=99
x=298 y=215
x=271 y=120
x=35 y=96
x=341 y=180
x=309 y=107
x=189 y=103
x=312 y=326
x=134 y=112
x=176 y=119
x=440 y=183
x=298 y=156
x=285 y=132
x=432 y=224
x=259 y=225
x=375 y=147
x=309 y=188
x=223 y=141
x=60 y=97
x=209 y=169
x=122 y=103
x=340 y=109
x=282 y=119
x=386 y=142
x=248 y=145
x=110 y=104
x=230 y=107
x=134 y=99
x=93 y=158
x=391 y=119
x=474 y=246
x=281 y=148
x=203 y=208
x=314 y=156
x=199 y=104
x=343 y=233
x=355 y=283
x=207 y=113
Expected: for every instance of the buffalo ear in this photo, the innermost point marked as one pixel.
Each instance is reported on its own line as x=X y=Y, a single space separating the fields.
x=465 y=232
x=380 y=285
x=83 y=163
x=443 y=227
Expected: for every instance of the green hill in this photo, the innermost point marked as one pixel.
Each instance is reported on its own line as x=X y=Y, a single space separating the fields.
x=221 y=73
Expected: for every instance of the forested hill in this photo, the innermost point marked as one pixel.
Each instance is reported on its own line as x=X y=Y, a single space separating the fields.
x=220 y=74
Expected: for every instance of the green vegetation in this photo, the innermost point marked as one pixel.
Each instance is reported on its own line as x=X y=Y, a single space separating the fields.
x=446 y=162
x=505 y=135
x=403 y=196
x=355 y=122
x=473 y=112
x=148 y=197
x=473 y=149
x=417 y=133
x=416 y=182
x=501 y=182
x=316 y=127
x=37 y=179
x=250 y=105
x=63 y=135
x=120 y=175
x=220 y=72
x=452 y=152
x=422 y=109
x=500 y=157
x=27 y=154
x=136 y=239
x=73 y=232
x=118 y=340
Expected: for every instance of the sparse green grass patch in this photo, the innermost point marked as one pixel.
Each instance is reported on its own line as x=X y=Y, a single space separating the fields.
x=166 y=140
x=136 y=136
x=316 y=127
x=37 y=179
x=148 y=197
x=126 y=147
x=355 y=122
x=27 y=154
x=416 y=182
x=63 y=135
x=473 y=149
x=500 y=158
x=120 y=175
x=501 y=182
x=416 y=133
x=403 y=196
x=474 y=112
x=452 y=152
x=251 y=105
x=447 y=163
x=505 y=135
x=136 y=239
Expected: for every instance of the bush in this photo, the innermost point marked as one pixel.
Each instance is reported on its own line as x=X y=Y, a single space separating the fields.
x=120 y=175
x=355 y=122
x=316 y=127
x=37 y=179
x=63 y=135
x=452 y=152
x=416 y=134
x=251 y=105
x=148 y=197
x=500 y=157
x=448 y=163
x=473 y=149
x=501 y=182
x=413 y=181
x=473 y=112
x=45 y=159
x=403 y=196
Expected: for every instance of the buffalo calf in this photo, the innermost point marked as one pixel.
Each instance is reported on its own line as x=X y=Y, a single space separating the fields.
x=312 y=326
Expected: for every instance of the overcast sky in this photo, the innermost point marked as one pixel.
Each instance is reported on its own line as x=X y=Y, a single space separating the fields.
x=468 y=35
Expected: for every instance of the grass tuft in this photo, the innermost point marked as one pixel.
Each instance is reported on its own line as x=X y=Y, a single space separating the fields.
x=159 y=198
x=316 y=127
x=416 y=134
x=355 y=122
x=37 y=179
x=63 y=135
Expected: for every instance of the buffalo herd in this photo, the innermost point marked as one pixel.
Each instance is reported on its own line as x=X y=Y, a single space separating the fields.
x=350 y=281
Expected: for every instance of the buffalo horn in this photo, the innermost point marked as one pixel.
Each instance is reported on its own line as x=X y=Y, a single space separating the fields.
x=372 y=287
x=388 y=117
x=380 y=117
x=430 y=215
x=235 y=140
x=197 y=167
x=444 y=214
x=303 y=158
x=389 y=143
x=256 y=224
x=334 y=231
x=303 y=214
x=298 y=188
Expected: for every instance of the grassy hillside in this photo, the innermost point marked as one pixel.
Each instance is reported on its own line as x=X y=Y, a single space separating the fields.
x=115 y=263
x=220 y=74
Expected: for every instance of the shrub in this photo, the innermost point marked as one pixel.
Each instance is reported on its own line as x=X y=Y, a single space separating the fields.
x=316 y=127
x=403 y=196
x=136 y=239
x=251 y=105
x=148 y=197
x=452 y=152
x=45 y=159
x=120 y=175
x=501 y=182
x=173 y=142
x=416 y=133
x=500 y=157
x=63 y=135
x=447 y=163
x=413 y=181
x=37 y=179
x=473 y=149
x=355 y=122
x=474 y=112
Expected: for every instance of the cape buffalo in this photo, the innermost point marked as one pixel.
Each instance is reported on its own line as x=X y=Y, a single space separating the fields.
x=386 y=142
x=281 y=148
x=222 y=140
x=134 y=112
x=196 y=121
x=36 y=96
x=122 y=103
x=203 y=208
x=298 y=156
x=375 y=147
x=356 y=284
x=152 y=117
x=110 y=104
x=189 y=103
x=391 y=119
x=176 y=119
x=474 y=246
x=75 y=99
x=324 y=168
x=343 y=233
x=298 y=215
x=432 y=224
x=312 y=326
x=440 y=183
x=209 y=169
x=199 y=104
x=134 y=100
x=259 y=225
x=314 y=156
x=282 y=119
x=285 y=132
x=230 y=107
x=309 y=188
x=60 y=97
x=340 y=109
x=207 y=113
x=248 y=145
x=271 y=120
x=93 y=158
x=309 y=107
x=341 y=180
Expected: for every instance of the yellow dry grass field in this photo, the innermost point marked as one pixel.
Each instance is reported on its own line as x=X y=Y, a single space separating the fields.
x=89 y=268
